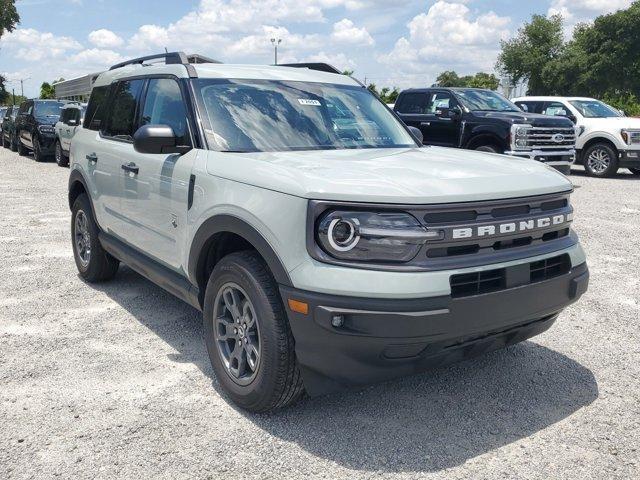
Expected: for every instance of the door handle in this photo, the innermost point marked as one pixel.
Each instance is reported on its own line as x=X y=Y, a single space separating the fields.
x=130 y=167
x=425 y=124
x=92 y=157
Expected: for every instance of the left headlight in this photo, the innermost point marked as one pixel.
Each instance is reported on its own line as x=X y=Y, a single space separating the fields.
x=630 y=136
x=394 y=237
x=47 y=129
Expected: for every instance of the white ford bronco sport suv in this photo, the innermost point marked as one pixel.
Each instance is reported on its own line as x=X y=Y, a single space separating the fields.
x=325 y=247
x=607 y=140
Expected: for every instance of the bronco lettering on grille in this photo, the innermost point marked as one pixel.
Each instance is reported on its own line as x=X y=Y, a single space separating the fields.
x=511 y=227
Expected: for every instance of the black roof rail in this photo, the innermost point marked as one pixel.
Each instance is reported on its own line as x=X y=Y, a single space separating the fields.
x=170 y=58
x=321 y=67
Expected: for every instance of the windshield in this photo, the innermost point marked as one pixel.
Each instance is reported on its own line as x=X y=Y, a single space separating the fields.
x=262 y=115
x=48 y=109
x=485 y=100
x=595 y=109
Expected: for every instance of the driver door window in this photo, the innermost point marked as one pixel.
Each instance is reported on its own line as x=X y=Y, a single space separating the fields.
x=164 y=105
x=438 y=101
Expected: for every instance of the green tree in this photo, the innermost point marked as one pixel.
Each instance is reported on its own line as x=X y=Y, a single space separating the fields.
x=47 y=90
x=9 y=16
x=5 y=96
x=479 y=80
x=525 y=56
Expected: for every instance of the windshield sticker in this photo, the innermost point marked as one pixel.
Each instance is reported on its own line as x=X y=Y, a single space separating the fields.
x=307 y=101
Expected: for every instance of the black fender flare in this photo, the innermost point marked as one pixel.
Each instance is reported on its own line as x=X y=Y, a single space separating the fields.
x=494 y=132
x=76 y=177
x=229 y=223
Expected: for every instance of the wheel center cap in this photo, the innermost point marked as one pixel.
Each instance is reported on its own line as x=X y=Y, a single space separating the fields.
x=240 y=332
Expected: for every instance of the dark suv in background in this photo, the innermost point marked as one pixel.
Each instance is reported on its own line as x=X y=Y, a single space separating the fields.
x=479 y=119
x=8 y=137
x=35 y=127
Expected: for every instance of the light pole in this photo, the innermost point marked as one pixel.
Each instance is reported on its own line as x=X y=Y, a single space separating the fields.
x=275 y=42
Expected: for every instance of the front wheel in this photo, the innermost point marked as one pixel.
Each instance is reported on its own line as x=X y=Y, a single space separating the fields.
x=635 y=171
x=37 y=151
x=22 y=150
x=247 y=334
x=488 y=148
x=600 y=160
x=61 y=160
x=13 y=143
x=94 y=264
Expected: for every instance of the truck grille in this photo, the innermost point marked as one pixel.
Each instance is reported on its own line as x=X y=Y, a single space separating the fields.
x=488 y=281
x=543 y=138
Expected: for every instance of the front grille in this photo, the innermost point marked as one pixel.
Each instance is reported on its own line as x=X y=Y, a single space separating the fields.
x=477 y=283
x=488 y=281
x=549 y=268
x=542 y=138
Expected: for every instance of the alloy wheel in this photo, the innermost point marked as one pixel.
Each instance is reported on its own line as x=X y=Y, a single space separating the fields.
x=236 y=333
x=598 y=160
x=82 y=238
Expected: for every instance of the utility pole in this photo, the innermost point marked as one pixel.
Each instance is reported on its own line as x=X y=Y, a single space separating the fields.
x=13 y=92
x=275 y=42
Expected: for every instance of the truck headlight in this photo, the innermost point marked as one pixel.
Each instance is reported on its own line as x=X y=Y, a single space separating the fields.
x=630 y=136
x=390 y=237
x=520 y=136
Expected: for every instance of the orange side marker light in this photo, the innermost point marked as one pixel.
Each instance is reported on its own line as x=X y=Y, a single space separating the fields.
x=298 y=306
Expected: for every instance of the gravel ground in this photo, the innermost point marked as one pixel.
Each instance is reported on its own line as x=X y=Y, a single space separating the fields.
x=114 y=380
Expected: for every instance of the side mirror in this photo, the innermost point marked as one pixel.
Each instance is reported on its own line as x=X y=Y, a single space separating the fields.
x=417 y=134
x=157 y=139
x=442 y=112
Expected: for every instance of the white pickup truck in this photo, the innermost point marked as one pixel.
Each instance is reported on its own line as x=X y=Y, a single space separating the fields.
x=607 y=140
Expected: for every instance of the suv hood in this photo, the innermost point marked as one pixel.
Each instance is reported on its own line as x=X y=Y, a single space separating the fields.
x=47 y=120
x=613 y=122
x=399 y=175
x=534 y=119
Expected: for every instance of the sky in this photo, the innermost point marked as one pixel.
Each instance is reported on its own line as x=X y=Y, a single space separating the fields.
x=388 y=42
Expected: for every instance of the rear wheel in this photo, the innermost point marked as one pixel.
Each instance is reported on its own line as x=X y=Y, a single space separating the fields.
x=600 y=160
x=247 y=334
x=13 y=143
x=635 y=171
x=94 y=264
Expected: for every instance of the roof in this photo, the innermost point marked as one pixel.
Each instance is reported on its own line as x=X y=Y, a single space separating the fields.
x=548 y=98
x=220 y=70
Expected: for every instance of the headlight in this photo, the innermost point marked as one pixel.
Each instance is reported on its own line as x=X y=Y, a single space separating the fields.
x=520 y=136
x=372 y=236
x=630 y=136
x=47 y=129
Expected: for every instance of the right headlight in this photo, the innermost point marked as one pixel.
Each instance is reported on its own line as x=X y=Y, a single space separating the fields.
x=369 y=236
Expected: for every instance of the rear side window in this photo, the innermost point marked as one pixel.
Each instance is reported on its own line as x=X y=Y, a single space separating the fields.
x=96 y=109
x=122 y=114
x=412 y=103
x=164 y=105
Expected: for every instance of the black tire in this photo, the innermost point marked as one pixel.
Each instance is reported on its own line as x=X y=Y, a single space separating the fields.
x=61 y=160
x=5 y=144
x=13 y=143
x=37 y=151
x=635 y=171
x=98 y=266
x=22 y=150
x=564 y=169
x=276 y=381
x=488 y=148
x=600 y=160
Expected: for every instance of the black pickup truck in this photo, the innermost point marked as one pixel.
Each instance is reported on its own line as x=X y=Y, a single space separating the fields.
x=479 y=119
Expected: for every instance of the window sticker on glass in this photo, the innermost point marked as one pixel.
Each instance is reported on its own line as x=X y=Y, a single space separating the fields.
x=308 y=101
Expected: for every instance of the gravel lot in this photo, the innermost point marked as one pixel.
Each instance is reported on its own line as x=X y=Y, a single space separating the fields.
x=114 y=380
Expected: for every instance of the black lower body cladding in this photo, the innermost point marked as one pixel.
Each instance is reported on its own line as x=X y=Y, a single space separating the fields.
x=345 y=342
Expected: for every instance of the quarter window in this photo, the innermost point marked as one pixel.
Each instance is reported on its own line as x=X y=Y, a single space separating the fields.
x=164 y=105
x=96 y=109
x=122 y=115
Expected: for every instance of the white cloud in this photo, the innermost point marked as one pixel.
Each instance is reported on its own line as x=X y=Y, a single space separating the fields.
x=95 y=58
x=346 y=32
x=32 y=45
x=338 y=60
x=104 y=38
x=448 y=37
x=577 y=11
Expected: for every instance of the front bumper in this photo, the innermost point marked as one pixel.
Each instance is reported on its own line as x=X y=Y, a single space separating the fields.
x=561 y=159
x=380 y=339
x=47 y=143
x=629 y=158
